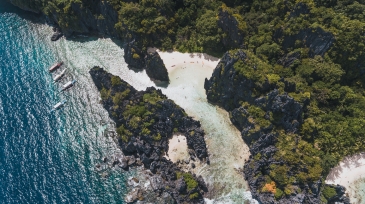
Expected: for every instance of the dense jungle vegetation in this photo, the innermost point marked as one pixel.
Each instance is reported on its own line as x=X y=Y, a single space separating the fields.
x=330 y=85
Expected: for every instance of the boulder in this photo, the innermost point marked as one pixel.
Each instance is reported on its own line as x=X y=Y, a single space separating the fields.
x=155 y=68
x=133 y=55
x=180 y=185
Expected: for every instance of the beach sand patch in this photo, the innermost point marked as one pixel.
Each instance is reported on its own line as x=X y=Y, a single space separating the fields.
x=178 y=148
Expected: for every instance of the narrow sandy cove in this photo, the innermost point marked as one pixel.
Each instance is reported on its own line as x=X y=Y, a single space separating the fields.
x=228 y=152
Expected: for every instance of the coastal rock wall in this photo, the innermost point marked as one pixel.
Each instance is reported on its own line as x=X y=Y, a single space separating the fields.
x=78 y=17
x=145 y=121
x=267 y=122
x=232 y=28
x=155 y=68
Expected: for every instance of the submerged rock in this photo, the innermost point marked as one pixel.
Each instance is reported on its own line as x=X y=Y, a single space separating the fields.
x=56 y=35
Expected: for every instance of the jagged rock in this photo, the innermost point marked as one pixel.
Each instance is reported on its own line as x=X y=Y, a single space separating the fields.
x=98 y=17
x=131 y=160
x=148 y=147
x=133 y=196
x=228 y=88
x=156 y=182
x=180 y=185
x=289 y=59
x=340 y=197
x=56 y=35
x=300 y=8
x=318 y=41
x=155 y=68
x=133 y=55
x=229 y=25
x=223 y=89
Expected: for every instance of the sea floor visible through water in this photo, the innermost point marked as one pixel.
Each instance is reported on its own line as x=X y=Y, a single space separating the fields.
x=80 y=125
x=52 y=157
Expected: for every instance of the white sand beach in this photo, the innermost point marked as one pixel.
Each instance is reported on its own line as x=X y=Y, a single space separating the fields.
x=228 y=152
x=178 y=148
x=172 y=60
x=349 y=171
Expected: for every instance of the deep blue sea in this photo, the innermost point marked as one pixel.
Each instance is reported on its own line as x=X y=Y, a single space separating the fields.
x=45 y=158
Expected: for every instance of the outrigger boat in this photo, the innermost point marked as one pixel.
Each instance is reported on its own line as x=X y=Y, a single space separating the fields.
x=59 y=105
x=55 y=66
x=59 y=76
x=68 y=85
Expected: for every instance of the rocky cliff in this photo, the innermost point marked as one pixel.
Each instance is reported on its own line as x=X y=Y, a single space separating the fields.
x=145 y=121
x=155 y=68
x=269 y=120
x=97 y=17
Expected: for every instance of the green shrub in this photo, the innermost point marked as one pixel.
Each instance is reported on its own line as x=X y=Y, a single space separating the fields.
x=136 y=56
x=189 y=180
x=194 y=195
x=116 y=81
x=328 y=192
x=278 y=194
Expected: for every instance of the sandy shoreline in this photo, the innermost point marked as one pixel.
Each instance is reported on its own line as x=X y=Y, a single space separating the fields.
x=187 y=73
x=174 y=59
x=347 y=172
x=178 y=148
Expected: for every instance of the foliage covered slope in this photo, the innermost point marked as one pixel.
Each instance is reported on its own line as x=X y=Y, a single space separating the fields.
x=310 y=51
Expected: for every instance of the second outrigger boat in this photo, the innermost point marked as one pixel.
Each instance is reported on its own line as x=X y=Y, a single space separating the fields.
x=55 y=66
x=59 y=76
x=68 y=85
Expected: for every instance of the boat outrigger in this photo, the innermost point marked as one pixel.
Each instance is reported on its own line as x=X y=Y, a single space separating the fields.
x=59 y=105
x=68 y=85
x=59 y=76
x=55 y=66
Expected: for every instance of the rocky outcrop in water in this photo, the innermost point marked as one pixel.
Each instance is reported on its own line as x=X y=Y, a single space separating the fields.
x=145 y=121
x=134 y=56
x=155 y=68
x=98 y=17
x=57 y=34
x=262 y=119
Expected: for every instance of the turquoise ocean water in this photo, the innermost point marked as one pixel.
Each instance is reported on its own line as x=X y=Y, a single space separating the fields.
x=47 y=158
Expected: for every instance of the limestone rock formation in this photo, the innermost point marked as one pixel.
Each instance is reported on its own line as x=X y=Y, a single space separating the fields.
x=155 y=68
x=145 y=121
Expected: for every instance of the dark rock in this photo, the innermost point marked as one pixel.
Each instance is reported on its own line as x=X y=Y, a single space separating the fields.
x=131 y=160
x=318 y=41
x=143 y=146
x=157 y=182
x=229 y=25
x=229 y=89
x=193 y=165
x=180 y=185
x=57 y=35
x=133 y=55
x=300 y=8
x=289 y=59
x=155 y=68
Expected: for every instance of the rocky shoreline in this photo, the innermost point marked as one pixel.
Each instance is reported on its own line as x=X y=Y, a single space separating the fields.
x=145 y=121
x=256 y=117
